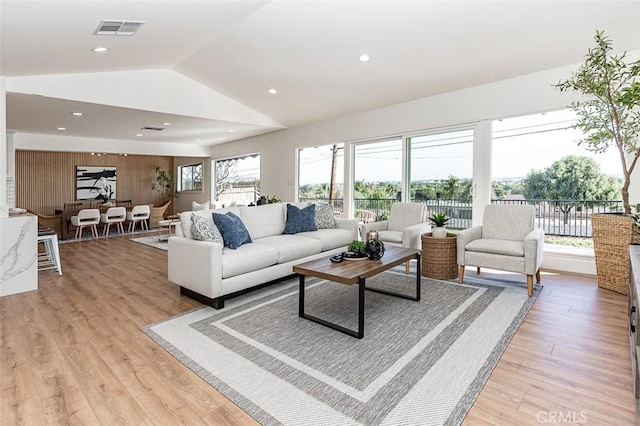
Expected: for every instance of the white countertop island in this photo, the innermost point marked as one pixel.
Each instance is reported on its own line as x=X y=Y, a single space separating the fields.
x=18 y=254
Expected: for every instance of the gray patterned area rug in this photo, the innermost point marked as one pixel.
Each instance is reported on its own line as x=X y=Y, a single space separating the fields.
x=419 y=363
x=152 y=241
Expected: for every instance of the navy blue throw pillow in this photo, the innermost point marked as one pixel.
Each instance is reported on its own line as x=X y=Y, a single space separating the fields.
x=234 y=233
x=300 y=220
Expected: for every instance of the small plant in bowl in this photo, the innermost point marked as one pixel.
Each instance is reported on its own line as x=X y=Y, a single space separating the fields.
x=356 y=250
x=439 y=220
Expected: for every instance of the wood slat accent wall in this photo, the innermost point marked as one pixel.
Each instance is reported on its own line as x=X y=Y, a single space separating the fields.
x=47 y=180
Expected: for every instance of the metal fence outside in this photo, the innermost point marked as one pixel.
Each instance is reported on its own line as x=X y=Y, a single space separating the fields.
x=570 y=218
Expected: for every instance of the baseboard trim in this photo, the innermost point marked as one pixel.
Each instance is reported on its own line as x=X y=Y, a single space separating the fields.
x=569 y=259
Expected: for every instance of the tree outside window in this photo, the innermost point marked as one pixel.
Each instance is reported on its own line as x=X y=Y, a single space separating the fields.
x=237 y=180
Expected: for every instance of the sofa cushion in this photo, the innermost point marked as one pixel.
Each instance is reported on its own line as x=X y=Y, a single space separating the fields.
x=493 y=246
x=205 y=230
x=264 y=220
x=292 y=247
x=330 y=238
x=232 y=229
x=324 y=216
x=300 y=220
x=247 y=258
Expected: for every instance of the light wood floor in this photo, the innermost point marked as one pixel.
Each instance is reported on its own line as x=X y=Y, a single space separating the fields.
x=72 y=352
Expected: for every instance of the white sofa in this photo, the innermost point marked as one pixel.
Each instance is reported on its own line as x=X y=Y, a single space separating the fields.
x=209 y=272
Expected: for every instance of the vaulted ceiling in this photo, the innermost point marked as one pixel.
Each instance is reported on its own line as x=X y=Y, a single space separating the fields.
x=232 y=52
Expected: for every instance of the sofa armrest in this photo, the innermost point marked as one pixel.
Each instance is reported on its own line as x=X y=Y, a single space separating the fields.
x=350 y=225
x=465 y=237
x=411 y=235
x=196 y=265
x=533 y=249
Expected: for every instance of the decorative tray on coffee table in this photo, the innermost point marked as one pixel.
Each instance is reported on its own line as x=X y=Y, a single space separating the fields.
x=350 y=255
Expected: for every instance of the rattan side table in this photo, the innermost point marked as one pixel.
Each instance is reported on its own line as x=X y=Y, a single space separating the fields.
x=439 y=256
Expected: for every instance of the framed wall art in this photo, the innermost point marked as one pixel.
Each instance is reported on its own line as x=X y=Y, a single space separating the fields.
x=95 y=183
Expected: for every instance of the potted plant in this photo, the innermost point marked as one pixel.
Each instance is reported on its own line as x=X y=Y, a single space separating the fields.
x=609 y=116
x=356 y=250
x=164 y=184
x=439 y=220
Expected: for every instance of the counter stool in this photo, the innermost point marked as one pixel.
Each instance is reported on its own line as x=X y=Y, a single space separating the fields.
x=50 y=259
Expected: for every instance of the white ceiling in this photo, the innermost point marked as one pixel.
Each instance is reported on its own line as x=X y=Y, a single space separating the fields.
x=307 y=50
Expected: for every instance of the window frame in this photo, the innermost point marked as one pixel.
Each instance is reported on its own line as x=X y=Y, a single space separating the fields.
x=180 y=180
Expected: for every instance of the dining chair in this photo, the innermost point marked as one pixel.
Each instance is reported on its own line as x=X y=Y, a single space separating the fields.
x=140 y=214
x=115 y=215
x=86 y=218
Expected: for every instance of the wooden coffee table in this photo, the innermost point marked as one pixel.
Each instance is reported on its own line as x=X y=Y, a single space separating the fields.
x=356 y=272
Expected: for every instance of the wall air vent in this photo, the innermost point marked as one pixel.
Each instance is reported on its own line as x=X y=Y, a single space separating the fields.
x=118 y=28
x=155 y=129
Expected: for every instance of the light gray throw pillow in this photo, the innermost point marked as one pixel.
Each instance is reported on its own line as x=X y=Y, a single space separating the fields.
x=204 y=230
x=325 y=218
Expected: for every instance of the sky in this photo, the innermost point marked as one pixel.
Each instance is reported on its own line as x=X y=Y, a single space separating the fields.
x=520 y=145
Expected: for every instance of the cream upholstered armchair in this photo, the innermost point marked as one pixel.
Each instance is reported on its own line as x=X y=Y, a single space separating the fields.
x=406 y=223
x=507 y=240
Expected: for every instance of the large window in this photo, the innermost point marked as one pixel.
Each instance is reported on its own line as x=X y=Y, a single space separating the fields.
x=441 y=172
x=237 y=180
x=190 y=177
x=377 y=174
x=536 y=160
x=321 y=174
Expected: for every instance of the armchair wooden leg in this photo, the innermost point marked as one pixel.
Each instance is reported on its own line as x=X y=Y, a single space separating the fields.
x=530 y=285
x=461 y=274
x=478 y=270
x=406 y=266
x=538 y=275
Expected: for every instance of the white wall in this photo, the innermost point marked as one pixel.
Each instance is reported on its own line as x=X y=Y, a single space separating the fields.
x=513 y=97
x=3 y=147
x=34 y=142
x=183 y=202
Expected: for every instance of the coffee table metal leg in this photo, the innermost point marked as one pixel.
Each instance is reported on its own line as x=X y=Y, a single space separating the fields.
x=359 y=333
x=400 y=295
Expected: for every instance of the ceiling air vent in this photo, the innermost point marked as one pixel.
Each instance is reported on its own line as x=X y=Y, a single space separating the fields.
x=155 y=129
x=119 y=28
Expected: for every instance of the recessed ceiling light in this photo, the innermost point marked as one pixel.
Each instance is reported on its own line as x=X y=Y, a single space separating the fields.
x=197 y=140
x=364 y=58
x=166 y=123
x=100 y=49
x=222 y=139
x=230 y=130
x=138 y=134
x=272 y=91
x=61 y=128
x=77 y=114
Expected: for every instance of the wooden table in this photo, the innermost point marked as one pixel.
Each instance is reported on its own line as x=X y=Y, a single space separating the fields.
x=166 y=225
x=350 y=272
x=67 y=213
